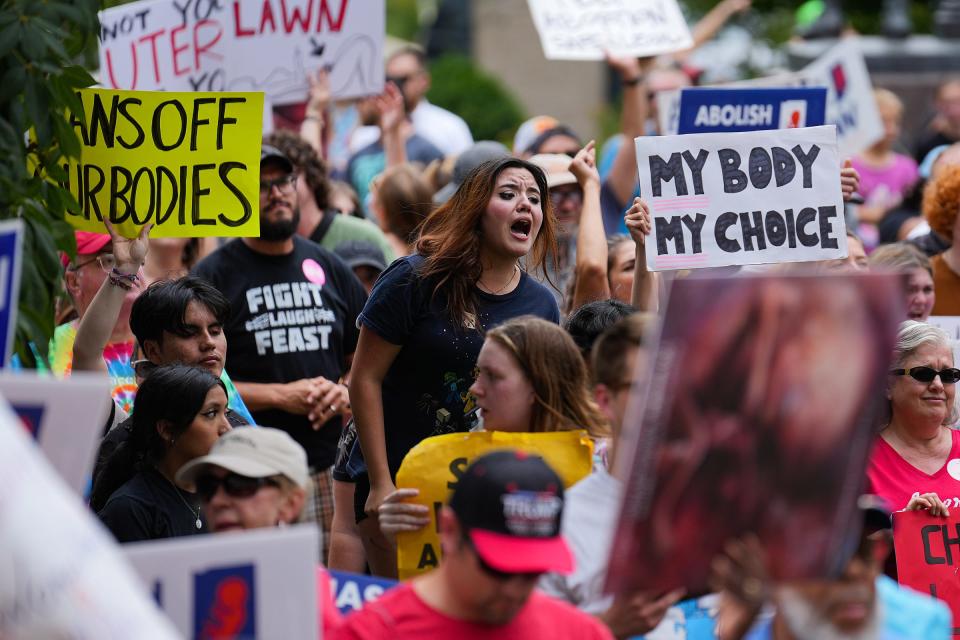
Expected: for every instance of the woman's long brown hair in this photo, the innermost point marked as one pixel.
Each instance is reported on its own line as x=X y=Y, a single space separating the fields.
x=451 y=237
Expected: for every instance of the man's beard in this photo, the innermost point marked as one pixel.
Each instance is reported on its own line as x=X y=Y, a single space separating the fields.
x=279 y=230
x=804 y=621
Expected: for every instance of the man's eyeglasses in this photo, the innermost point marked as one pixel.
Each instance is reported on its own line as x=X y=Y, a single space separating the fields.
x=235 y=485
x=927 y=374
x=557 y=197
x=284 y=183
x=106 y=260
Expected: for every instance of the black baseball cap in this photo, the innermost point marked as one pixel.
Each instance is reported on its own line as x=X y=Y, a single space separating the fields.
x=269 y=153
x=361 y=253
x=510 y=503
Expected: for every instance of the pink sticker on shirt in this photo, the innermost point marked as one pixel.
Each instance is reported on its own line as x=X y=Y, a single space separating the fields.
x=314 y=272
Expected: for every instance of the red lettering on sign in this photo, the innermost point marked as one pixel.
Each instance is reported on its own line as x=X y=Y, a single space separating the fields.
x=267 y=15
x=237 y=29
x=177 y=50
x=325 y=11
x=296 y=16
x=203 y=48
x=152 y=38
x=113 y=80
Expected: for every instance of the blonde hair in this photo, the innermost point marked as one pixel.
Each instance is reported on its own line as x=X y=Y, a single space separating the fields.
x=556 y=371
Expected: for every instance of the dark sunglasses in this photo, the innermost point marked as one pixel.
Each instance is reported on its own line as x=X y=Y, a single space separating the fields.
x=496 y=574
x=234 y=484
x=927 y=374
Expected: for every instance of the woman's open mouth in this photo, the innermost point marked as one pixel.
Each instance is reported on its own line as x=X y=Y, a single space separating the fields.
x=521 y=228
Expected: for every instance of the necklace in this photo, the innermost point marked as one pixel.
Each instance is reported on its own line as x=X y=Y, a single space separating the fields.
x=516 y=270
x=176 y=490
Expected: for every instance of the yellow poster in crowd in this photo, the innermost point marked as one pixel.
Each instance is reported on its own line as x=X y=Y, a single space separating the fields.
x=189 y=163
x=435 y=465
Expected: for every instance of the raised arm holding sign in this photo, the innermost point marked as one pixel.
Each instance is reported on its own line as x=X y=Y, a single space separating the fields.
x=742 y=198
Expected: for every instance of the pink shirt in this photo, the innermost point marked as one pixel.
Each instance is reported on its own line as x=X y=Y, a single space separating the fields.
x=896 y=480
x=896 y=178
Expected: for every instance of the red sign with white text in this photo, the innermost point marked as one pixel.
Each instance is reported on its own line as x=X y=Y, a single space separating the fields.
x=928 y=555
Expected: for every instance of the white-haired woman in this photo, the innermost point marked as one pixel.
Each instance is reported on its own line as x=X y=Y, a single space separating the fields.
x=915 y=463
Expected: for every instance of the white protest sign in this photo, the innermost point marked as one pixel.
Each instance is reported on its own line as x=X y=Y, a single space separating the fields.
x=62 y=574
x=65 y=416
x=244 y=45
x=757 y=197
x=582 y=30
x=850 y=103
x=252 y=584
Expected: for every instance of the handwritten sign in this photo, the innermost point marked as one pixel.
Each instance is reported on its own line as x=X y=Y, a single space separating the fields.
x=435 y=465
x=927 y=549
x=573 y=30
x=187 y=162
x=253 y=584
x=353 y=590
x=721 y=199
x=714 y=110
x=11 y=250
x=63 y=575
x=65 y=417
x=244 y=45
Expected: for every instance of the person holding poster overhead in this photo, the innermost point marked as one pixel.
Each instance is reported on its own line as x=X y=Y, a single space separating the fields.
x=423 y=326
x=178 y=414
x=915 y=462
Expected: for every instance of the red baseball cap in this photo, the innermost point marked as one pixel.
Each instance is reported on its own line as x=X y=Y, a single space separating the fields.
x=88 y=244
x=511 y=505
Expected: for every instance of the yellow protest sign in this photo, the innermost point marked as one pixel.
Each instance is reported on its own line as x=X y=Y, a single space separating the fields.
x=435 y=465
x=187 y=162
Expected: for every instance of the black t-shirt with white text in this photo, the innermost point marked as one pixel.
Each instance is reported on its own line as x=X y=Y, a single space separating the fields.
x=292 y=316
x=426 y=389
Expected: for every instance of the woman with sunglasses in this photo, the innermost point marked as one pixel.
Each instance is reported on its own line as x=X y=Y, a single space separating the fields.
x=178 y=414
x=916 y=459
x=256 y=478
x=422 y=328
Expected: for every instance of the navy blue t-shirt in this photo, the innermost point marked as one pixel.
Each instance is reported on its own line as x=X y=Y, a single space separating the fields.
x=425 y=390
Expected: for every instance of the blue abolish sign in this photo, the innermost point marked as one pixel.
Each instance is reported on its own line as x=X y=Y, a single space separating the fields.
x=711 y=110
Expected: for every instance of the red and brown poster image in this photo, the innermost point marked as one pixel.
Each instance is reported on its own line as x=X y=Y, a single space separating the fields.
x=761 y=402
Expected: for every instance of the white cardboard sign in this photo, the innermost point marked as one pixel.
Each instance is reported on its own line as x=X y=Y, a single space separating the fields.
x=251 y=584
x=65 y=416
x=850 y=103
x=578 y=30
x=244 y=45
x=719 y=199
x=61 y=573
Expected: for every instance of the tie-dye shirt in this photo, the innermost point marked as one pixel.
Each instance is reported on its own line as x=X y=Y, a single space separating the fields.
x=119 y=357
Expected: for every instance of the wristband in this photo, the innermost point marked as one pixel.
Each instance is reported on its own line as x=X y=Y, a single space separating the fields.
x=120 y=275
x=632 y=82
x=117 y=282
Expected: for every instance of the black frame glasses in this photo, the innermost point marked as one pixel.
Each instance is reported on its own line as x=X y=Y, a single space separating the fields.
x=234 y=484
x=283 y=183
x=950 y=375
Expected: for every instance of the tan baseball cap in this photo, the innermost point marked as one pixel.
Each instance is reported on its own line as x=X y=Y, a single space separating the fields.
x=557 y=168
x=255 y=452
